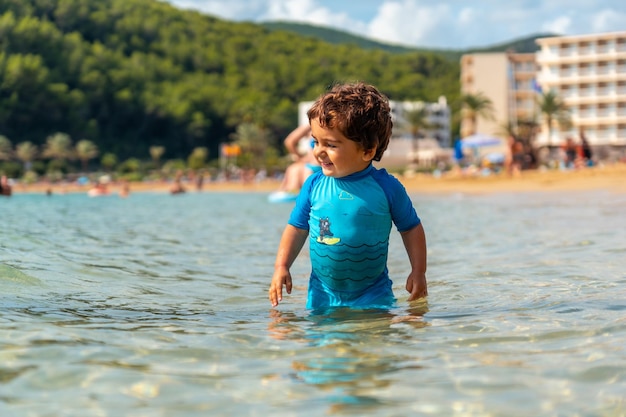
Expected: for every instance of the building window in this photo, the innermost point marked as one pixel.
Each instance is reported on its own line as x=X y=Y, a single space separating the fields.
x=584 y=69
x=584 y=48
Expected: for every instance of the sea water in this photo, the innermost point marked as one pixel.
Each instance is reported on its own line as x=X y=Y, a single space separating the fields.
x=156 y=305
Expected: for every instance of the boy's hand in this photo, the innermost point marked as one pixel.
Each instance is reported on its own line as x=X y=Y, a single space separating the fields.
x=281 y=277
x=416 y=285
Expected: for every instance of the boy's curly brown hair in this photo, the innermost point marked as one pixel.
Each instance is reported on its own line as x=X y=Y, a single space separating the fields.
x=359 y=111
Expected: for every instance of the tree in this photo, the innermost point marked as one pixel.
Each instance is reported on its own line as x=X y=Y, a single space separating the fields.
x=128 y=74
x=417 y=120
x=198 y=158
x=253 y=141
x=6 y=149
x=474 y=106
x=156 y=152
x=58 y=147
x=108 y=161
x=554 y=109
x=86 y=150
x=130 y=166
x=26 y=152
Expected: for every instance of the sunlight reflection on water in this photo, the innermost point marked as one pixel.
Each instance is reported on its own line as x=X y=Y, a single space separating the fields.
x=157 y=305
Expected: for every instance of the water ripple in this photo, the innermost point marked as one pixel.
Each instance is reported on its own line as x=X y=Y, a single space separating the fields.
x=158 y=305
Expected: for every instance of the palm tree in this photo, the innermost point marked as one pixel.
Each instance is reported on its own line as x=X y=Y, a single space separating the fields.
x=253 y=141
x=156 y=152
x=417 y=120
x=6 y=149
x=554 y=109
x=108 y=161
x=58 y=147
x=474 y=106
x=86 y=150
x=26 y=152
x=197 y=158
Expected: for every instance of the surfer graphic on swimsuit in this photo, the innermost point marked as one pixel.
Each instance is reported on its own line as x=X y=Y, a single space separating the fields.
x=326 y=236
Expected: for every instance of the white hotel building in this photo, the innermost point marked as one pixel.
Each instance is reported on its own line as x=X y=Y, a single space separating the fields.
x=588 y=72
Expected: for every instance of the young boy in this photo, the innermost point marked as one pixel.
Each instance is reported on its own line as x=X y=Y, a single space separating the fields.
x=347 y=208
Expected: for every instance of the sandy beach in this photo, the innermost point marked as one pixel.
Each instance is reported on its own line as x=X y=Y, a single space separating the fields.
x=608 y=177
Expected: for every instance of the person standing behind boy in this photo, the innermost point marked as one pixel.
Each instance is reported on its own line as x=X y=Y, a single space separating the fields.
x=347 y=209
x=304 y=163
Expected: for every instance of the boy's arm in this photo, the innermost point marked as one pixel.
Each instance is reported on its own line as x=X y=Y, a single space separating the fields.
x=290 y=245
x=415 y=244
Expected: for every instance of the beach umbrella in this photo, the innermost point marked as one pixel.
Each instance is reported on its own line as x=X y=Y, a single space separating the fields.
x=480 y=140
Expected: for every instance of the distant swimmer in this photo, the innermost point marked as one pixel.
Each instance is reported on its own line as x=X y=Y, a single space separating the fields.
x=5 y=188
x=99 y=190
x=177 y=187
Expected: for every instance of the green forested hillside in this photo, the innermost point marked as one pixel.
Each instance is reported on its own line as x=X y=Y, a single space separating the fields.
x=522 y=45
x=335 y=36
x=128 y=74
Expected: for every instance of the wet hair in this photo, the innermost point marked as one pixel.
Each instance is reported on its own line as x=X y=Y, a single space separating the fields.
x=359 y=111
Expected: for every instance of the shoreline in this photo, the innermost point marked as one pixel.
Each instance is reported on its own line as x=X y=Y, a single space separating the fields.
x=608 y=177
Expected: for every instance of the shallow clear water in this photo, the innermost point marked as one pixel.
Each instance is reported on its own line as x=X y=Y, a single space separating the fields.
x=156 y=305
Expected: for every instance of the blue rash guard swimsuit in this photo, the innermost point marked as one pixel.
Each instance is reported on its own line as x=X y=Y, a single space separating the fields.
x=349 y=220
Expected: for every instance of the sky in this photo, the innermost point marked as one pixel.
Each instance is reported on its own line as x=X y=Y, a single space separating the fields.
x=440 y=24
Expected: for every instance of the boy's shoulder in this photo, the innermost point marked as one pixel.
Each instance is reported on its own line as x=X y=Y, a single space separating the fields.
x=382 y=175
x=315 y=177
x=311 y=181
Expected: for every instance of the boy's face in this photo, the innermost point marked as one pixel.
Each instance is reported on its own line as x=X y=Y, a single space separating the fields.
x=338 y=155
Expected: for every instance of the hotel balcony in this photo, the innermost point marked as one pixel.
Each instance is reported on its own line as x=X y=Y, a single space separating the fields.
x=580 y=97
x=572 y=57
x=580 y=77
x=594 y=119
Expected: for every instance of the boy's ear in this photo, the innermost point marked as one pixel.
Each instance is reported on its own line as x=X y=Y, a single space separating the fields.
x=369 y=154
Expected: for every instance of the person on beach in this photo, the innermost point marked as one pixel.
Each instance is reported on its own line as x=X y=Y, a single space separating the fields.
x=124 y=190
x=177 y=186
x=514 y=160
x=585 y=149
x=346 y=210
x=571 y=152
x=298 y=144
